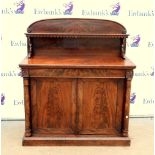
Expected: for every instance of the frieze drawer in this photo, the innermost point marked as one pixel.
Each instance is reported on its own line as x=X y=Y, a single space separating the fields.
x=76 y=73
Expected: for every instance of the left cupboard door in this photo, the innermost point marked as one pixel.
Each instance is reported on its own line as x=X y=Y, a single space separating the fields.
x=53 y=106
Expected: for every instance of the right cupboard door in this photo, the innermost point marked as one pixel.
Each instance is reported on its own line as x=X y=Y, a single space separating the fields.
x=100 y=106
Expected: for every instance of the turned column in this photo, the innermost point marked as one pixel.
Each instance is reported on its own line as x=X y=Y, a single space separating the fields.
x=27 y=103
x=129 y=75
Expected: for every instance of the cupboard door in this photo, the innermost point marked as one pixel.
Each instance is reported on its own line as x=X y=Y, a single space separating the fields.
x=100 y=103
x=53 y=105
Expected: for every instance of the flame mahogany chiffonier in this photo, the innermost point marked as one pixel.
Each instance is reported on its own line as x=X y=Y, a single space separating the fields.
x=77 y=83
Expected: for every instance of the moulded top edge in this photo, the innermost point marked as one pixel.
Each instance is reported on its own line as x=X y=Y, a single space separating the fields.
x=74 y=35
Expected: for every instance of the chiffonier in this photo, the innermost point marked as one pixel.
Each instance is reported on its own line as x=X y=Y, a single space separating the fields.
x=77 y=83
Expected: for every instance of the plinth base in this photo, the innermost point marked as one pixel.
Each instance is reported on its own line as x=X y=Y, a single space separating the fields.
x=76 y=141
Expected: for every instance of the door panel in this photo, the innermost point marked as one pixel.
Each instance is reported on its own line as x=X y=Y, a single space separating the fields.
x=76 y=106
x=100 y=107
x=53 y=105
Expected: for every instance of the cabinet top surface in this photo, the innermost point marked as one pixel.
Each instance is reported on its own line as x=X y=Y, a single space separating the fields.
x=65 y=61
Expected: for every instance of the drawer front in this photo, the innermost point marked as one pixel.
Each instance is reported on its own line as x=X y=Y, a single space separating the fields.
x=77 y=73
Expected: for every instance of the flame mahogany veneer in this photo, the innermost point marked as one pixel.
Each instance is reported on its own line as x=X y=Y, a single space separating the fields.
x=77 y=83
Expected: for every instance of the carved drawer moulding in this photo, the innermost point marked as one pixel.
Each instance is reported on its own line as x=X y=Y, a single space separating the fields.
x=75 y=73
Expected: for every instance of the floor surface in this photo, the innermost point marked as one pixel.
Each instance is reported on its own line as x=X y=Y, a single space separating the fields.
x=141 y=134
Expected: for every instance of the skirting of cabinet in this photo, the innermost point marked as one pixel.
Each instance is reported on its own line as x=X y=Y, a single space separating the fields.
x=76 y=141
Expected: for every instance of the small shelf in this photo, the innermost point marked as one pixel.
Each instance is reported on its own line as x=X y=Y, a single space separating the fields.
x=77 y=33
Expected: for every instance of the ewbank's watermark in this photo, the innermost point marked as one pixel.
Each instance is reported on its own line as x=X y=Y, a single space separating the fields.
x=133 y=98
x=112 y=10
x=66 y=10
x=17 y=7
x=2 y=98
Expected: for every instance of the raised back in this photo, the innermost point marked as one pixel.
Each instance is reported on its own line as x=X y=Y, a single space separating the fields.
x=77 y=26
x=85 y=36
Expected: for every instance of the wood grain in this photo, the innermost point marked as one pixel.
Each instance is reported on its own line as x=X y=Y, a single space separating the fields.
x=98 y=106
x=55 y=107
x=75 y=25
